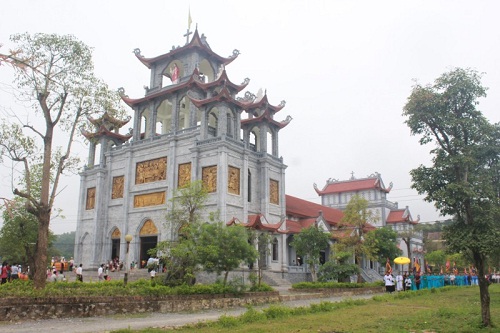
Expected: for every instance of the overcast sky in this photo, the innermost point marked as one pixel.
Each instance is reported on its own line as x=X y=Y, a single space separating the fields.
x=345 y=69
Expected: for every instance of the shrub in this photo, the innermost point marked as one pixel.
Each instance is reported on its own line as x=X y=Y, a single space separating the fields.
x=142 y=287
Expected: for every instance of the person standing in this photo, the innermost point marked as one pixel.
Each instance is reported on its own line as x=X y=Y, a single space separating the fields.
x=417 y=281
x=5 y=272
x=399 y=282
x=14 y=272
x=452 y=279
x=389 y=282
x=100 y=272
x=408 y=283
x=79 y=273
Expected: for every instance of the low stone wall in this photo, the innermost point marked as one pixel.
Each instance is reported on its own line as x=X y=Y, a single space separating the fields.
x=15 y=309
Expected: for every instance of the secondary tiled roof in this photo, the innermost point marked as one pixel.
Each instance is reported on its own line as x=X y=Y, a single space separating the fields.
x=353 y=185
x=256 y=222
x=305 y=209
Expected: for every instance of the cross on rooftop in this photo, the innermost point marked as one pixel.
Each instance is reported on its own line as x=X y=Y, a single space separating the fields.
x=187 y=35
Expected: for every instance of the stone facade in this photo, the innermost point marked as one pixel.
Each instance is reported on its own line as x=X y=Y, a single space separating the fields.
x=190 y=125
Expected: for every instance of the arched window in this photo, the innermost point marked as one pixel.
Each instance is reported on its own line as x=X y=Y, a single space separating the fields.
x=184 y=119
x=164 y=116
x=212 y=124
x=275 y=249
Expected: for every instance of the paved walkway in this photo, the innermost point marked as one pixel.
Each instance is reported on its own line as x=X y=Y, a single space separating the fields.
x=141 y=321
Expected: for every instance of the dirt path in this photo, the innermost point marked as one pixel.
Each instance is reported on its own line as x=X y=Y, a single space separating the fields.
x=139 y=321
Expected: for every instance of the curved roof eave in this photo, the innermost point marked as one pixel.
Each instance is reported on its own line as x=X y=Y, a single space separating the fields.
x=265 y=117
x=265 y=102
x=224 y=78
x=166 y=90
x=195 y=43
x=223 y=96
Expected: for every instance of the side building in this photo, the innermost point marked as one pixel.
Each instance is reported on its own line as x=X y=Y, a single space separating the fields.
x=338 y=193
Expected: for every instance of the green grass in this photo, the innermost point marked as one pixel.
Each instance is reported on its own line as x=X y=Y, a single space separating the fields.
x=440 y=310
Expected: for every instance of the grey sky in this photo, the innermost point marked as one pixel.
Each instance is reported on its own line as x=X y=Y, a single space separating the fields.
x=345 y=69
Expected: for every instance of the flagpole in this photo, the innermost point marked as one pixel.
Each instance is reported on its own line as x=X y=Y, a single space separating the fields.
x=189 y=26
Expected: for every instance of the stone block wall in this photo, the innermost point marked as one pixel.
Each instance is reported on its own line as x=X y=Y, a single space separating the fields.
x=19 y=308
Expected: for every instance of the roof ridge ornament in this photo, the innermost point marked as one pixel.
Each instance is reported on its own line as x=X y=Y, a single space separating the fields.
x=236 y=53
x=249 y=97
x=137 y=52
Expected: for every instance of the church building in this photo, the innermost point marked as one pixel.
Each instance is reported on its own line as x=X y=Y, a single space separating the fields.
x=190 y=125
x=194 y=123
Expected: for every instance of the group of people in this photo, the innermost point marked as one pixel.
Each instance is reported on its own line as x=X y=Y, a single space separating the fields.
x=400 y=282
x=9 y=273
x=416 y=281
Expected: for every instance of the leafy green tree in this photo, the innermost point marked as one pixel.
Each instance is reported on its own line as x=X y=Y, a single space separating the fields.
x=18 y=234
x=308 y=243
x=184 y=220
x=382 y=243
x=65 y=244
x=263 y=241
x=179 y=257
x=338 y=268
x=463 y=180
x=221 y=248
x=406 y=236
x=436 y=259
x=355 y=220
x=55 y=77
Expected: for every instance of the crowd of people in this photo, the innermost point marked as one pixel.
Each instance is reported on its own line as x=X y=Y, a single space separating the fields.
x=415 y=280
x=9 y=273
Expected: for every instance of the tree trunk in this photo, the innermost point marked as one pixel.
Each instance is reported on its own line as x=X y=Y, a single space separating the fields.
x=314 y=276
x=360 y=277
x=40 y=264
x=409 y=253
x=484 y=293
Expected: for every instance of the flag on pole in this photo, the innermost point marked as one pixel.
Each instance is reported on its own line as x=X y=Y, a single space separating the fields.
x=417 y=266
x=189 y=19
x=388 y=268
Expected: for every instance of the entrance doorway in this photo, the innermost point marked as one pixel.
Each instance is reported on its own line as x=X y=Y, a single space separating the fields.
x=149 y=239
x=115 y=248
x=147 y=243
x=115 y=243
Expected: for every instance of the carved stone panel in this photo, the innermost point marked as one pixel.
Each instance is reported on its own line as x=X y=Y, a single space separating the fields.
x=117 y=189
x=184 y=175
x=274 y=192
x=90 y=204
x=149 y=199
x=233 y=180
x=151 y=171
x=148 y=229
x=209 y=176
